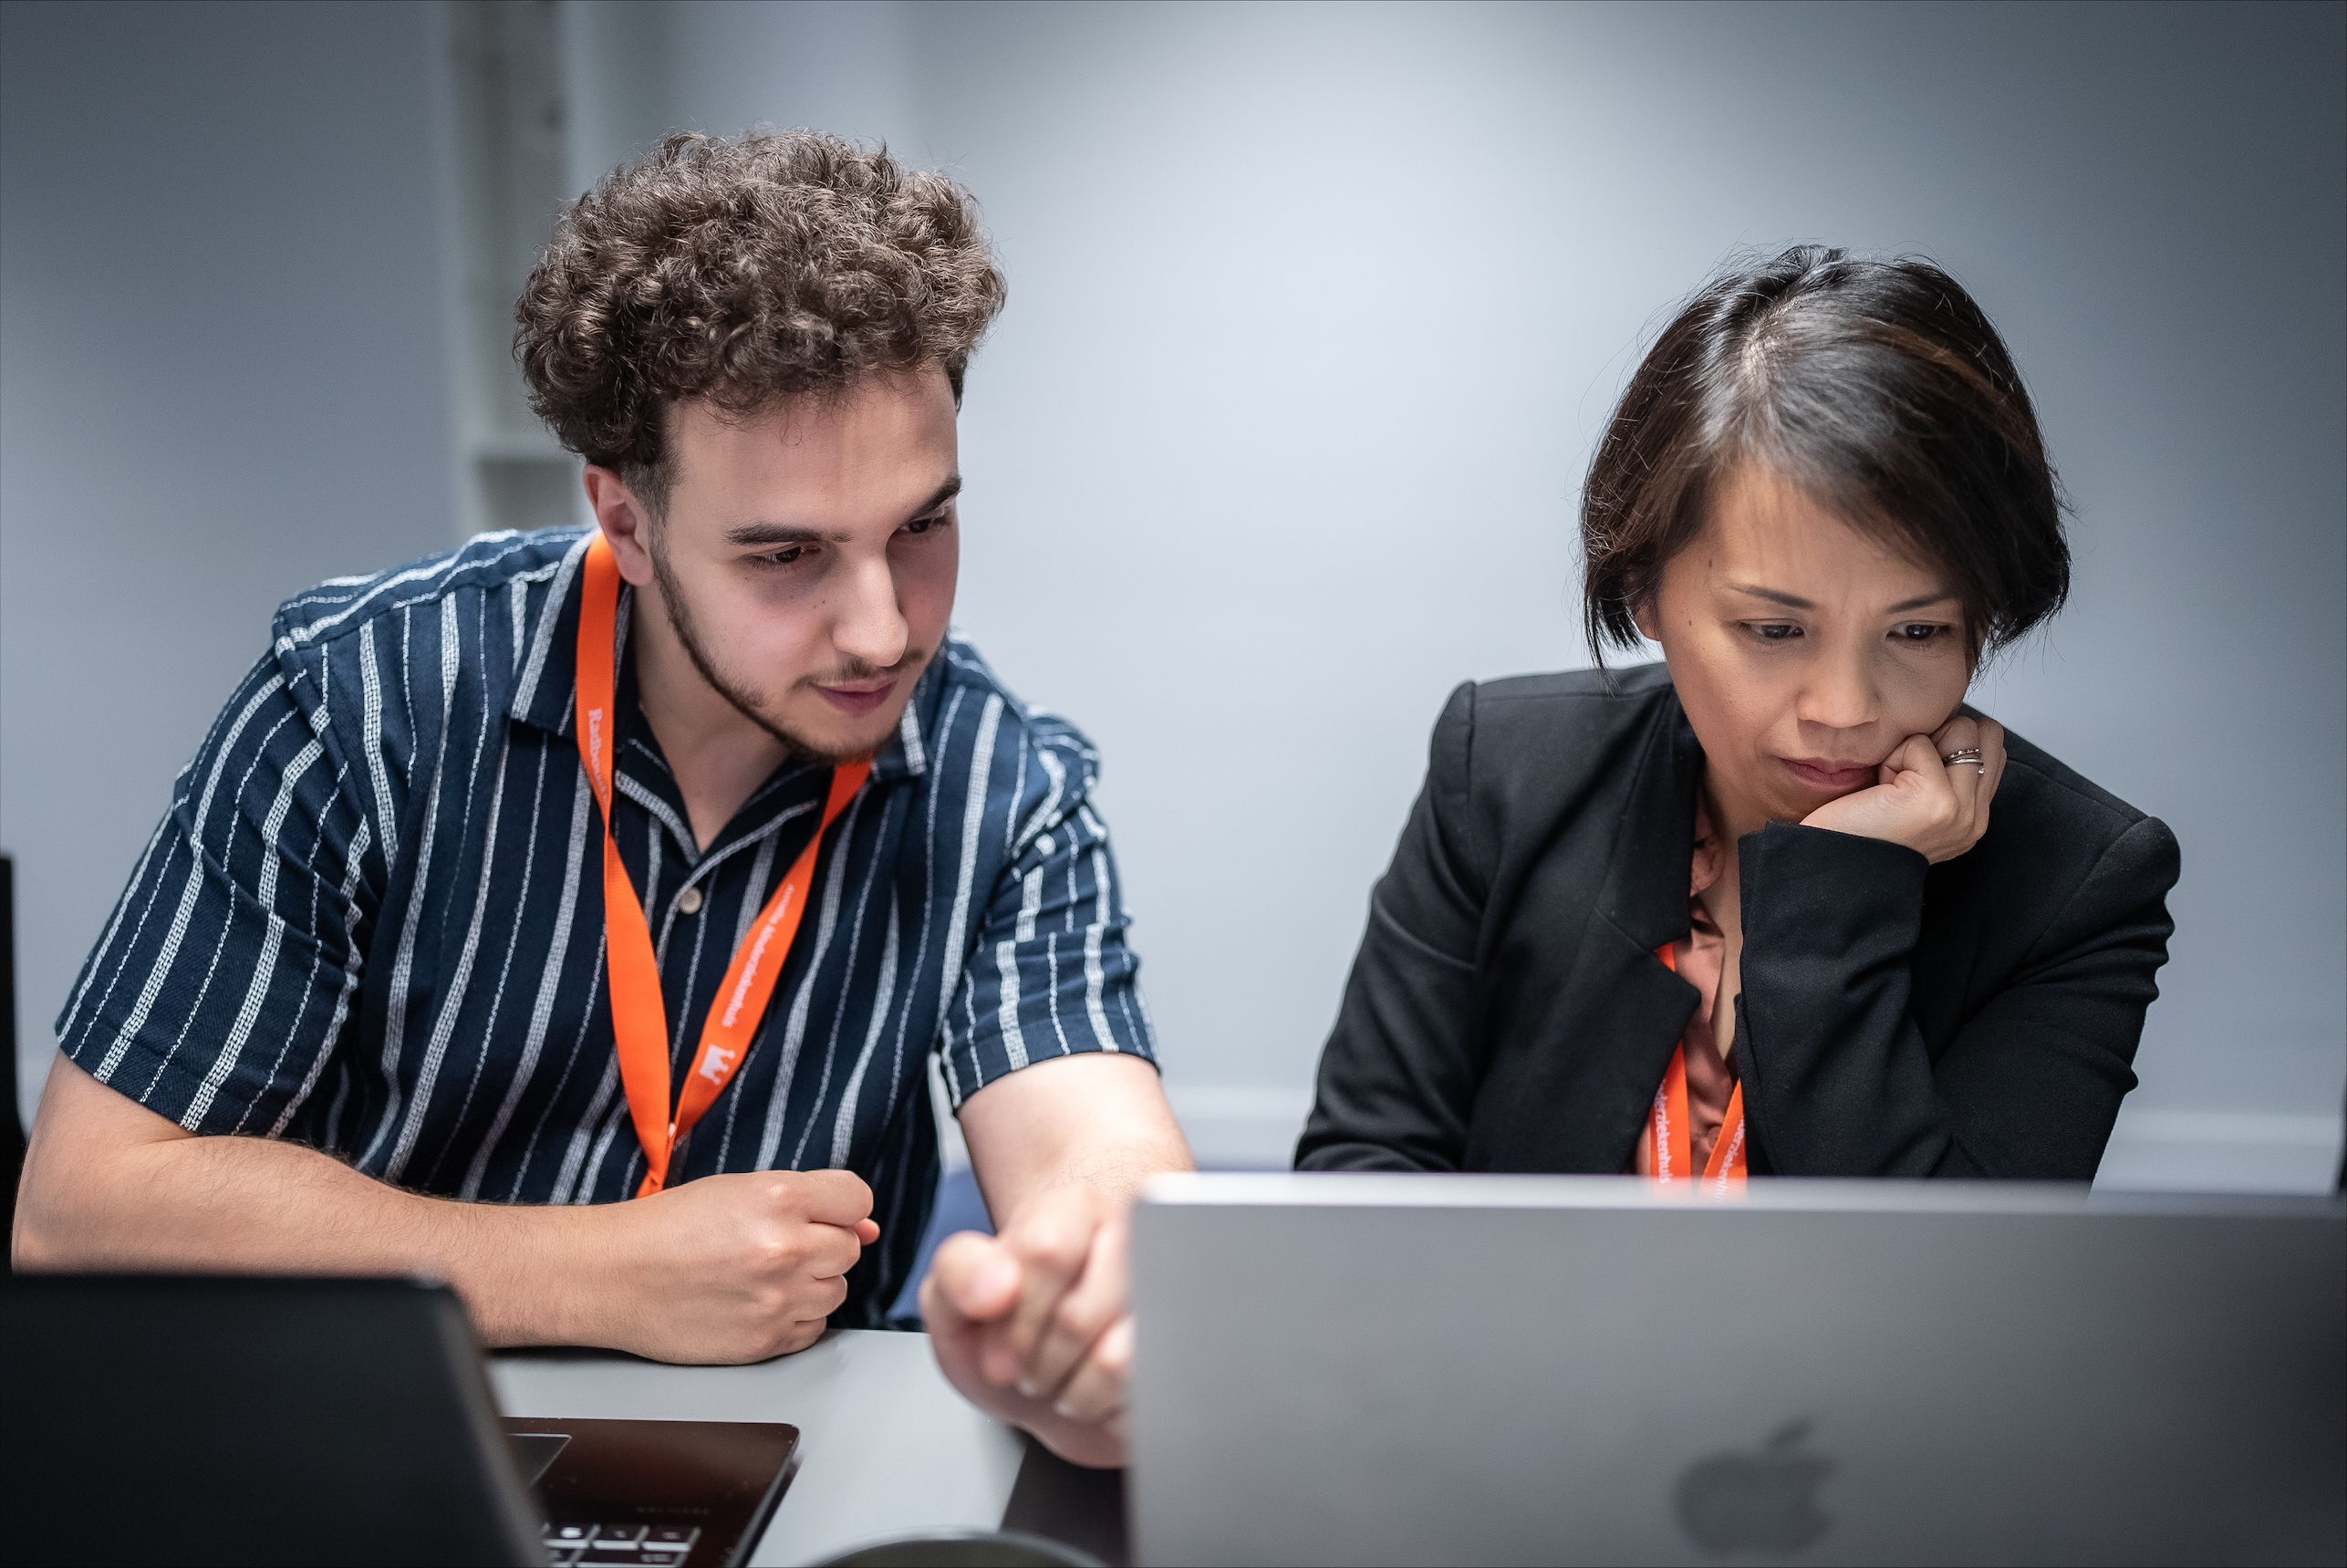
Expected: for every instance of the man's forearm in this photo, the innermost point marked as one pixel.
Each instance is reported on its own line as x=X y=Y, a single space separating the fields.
x=728 y=1268
x=253 y=1205
x=1118 y=1169
x=1095 y=1120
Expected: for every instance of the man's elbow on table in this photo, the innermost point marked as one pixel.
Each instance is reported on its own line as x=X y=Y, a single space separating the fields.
x=75 y=1206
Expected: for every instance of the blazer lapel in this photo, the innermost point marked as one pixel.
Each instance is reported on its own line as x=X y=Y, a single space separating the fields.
x=1631 y=1008
x=1579 y=1053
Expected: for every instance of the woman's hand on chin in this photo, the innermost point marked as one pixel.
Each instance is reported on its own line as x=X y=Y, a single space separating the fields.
x=1935 y=807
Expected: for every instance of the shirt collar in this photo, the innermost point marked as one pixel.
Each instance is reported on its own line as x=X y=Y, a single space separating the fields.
x=546 y=694
x=546 y=688
x=906 y=755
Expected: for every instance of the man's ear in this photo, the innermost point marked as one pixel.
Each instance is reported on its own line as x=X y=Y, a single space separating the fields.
x=626 y=522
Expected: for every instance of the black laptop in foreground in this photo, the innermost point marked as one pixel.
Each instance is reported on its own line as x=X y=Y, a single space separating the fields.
x=173 y=1419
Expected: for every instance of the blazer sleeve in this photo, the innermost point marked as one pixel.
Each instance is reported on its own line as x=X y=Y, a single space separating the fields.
x=1397 y=1079
x=1837 y=1080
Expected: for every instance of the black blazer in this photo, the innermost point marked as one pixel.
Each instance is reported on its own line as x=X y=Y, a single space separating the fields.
x=1506 y=1011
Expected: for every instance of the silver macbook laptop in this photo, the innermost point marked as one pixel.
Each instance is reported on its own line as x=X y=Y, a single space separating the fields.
x=1371 y=1369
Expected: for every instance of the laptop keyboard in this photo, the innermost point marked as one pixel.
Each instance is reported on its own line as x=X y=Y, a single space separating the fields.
x=598 y=1546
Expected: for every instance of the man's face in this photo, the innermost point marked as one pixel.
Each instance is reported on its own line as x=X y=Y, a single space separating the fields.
x=808 y=557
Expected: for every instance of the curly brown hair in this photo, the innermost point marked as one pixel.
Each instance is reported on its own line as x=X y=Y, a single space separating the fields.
x=744 y=271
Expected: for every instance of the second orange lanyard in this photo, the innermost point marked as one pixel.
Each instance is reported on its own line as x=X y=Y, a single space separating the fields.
x=1671 y=1131
x=639 y=1017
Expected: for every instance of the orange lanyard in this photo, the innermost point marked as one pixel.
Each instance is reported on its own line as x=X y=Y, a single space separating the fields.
x=1672 y=1133
x=638 y=1020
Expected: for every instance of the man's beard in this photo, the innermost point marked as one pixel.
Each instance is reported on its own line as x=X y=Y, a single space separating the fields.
x=745 y=701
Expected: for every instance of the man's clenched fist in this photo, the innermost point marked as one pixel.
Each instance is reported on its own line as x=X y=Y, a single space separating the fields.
x=732 y=1268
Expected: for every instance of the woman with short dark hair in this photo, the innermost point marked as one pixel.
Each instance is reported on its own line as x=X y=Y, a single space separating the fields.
x=1751 y=909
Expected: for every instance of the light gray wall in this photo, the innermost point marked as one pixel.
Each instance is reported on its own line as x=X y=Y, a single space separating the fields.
x=1315 y=310
x=222 y=379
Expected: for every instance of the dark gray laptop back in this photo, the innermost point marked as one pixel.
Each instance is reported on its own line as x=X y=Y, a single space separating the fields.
x=203 y=1421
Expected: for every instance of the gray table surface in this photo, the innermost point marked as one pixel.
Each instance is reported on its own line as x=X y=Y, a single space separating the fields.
x=887 y=1446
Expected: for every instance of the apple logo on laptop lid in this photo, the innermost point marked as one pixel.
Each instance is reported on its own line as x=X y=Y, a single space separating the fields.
x=1757 y=1499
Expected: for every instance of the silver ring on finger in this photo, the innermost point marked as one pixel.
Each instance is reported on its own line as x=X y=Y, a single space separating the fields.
x=1968 y=754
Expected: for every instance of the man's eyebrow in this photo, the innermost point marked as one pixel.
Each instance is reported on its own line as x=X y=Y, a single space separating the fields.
x=772 y=536
x=769 y=534
x=943 y=494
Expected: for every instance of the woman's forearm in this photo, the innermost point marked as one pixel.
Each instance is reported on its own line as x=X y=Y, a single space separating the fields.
x=1837 y=1080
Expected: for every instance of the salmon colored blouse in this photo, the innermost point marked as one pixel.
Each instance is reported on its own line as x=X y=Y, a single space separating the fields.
x=1700 y=959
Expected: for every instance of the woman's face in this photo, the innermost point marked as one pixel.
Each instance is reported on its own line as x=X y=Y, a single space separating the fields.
x=1804 y=650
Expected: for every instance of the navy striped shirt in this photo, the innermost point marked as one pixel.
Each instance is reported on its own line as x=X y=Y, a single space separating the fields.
x=373 y=922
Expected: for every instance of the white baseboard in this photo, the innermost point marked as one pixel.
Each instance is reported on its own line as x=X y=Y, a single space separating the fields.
x=2221 y=1151
x=1240 y=1127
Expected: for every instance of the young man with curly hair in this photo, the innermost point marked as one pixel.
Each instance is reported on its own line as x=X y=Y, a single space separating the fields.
x=653 y=861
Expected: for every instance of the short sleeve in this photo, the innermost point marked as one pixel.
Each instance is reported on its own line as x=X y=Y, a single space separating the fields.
x=227 y=972
x=1050 y=974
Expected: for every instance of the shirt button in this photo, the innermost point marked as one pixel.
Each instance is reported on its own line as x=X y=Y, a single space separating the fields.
x=689 y=901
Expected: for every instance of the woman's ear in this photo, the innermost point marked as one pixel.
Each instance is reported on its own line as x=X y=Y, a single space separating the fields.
x=1642 y=616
